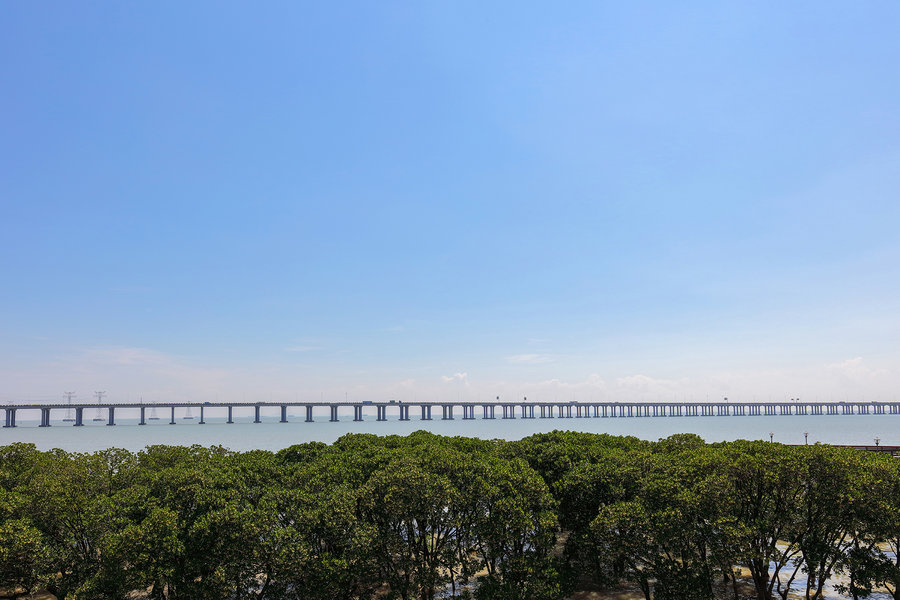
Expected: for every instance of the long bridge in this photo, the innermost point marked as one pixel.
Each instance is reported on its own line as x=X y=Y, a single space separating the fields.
x=446 y=411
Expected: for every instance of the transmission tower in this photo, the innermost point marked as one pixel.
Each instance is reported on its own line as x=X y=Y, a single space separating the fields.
x=68 y=396
x=99 y=396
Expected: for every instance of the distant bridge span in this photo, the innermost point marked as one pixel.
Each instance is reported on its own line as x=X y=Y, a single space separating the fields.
x=470 y=410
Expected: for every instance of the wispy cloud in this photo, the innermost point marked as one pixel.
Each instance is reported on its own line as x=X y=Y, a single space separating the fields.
x=300 y=348
x=463 y=377
x=529 y=359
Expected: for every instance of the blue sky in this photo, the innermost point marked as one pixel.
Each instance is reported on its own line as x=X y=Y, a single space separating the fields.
x=595 y=200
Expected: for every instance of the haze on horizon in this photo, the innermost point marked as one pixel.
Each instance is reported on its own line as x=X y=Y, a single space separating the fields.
x=622 y=201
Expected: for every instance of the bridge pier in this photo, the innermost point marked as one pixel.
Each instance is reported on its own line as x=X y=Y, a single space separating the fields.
x=468 y=412
x=172 y=421
x=256 y=414
x=10 y=417
x=847 y=409
x=447 y=412
x=488 y=410
x=45 y=417
x=404 y=412
x=528 y=411
x=309 y=416
x=509 y=411
x=381 y=412
x=334 y=413
x=202 y=422
x=862 y=409
x=230 y=420
x=143 y=420
x=426 y=412
x=79 y=417
x=112 y=416
x=283 y=414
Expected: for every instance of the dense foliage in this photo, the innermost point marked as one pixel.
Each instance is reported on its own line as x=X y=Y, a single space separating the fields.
x=424 y=516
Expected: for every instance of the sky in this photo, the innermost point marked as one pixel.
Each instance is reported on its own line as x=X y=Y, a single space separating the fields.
x=462 y=200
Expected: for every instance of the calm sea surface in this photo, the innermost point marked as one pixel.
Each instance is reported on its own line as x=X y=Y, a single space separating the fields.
x=272 y=435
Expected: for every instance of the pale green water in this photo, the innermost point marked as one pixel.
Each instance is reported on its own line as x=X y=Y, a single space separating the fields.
x=272 y=435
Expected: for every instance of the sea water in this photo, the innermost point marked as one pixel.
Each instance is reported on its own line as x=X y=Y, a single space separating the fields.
x=270 y=434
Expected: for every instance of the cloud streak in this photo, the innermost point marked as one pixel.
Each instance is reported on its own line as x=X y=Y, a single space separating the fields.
x=529 y=359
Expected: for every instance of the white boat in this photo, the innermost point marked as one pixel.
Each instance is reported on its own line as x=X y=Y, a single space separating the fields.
x=187 y=414
x=153 y=416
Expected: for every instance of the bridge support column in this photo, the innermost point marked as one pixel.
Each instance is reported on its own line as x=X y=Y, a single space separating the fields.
x=10 y=417
x=404 y=412
x=230 y=420
x=426 y=412
x=79 y=417
x=172 y=421
x=112 y=416
x=283 y=414
x=143 y=420
x=382 y=413
x=256 y=414
x=45 y=417
x=309 y=418
x=202 y=422
x=447 y=412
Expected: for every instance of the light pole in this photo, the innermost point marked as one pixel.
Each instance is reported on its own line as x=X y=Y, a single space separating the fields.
x=806 y=437
x=771 y=436
x=877 y=440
